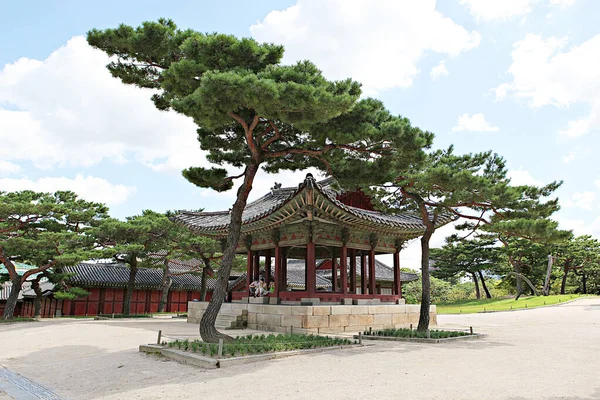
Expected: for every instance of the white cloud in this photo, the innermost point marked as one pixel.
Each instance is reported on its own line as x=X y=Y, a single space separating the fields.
x=88 y=187
x=67 y=110
x=439 y=70
x=597 y=183
x=562 y=3
x=579 y=226
x=490 y=10
x=522 y=177
x=584 y=200
x=473 y=123
x=543 y=74
x=569 y=157
x=378 y=44
x=7 y=168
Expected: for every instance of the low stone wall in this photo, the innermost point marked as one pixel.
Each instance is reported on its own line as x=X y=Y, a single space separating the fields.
x=324 y=319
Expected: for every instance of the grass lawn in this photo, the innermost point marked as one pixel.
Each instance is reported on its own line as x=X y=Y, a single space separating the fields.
x=475 y=306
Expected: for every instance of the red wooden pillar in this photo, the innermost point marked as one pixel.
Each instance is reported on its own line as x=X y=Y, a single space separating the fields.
x=344 y=269
x=268 y=266
x=311 y=269
x=278 y=269
x=372 y=288
x=256 y=265
x=334 y=281
x=352 y=271
x=249 y=270
x=363 y=273
x=396 y=290
x=283 y=269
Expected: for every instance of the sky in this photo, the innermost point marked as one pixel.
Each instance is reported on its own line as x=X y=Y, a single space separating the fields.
x=518 y=77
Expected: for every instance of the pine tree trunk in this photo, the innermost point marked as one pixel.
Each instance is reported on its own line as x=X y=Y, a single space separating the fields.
x=207 y=329
x=484 y=286
x=584 y=281
x=37 y=302
x=165 y=286
x=203 y=284
x=564 y=280
x=425 y=281
x=13 y=297
x=546 y=289
x=477 y=292
x=519 y=280
x=130 y=285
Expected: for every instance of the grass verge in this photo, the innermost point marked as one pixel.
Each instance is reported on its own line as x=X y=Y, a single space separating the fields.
x=8 y=321
x=484 y=305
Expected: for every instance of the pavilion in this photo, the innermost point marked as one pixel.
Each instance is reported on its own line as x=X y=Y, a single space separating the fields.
x=310 y=222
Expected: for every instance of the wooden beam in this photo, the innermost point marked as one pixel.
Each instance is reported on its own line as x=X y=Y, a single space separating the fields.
x=268 y=266
x=334 y=282
x=311 y=266
x=372 y=288
x=363 y=273
x=283 y=270
x=344 y=269
x=278 y=270
x=353 y=271
x=256 y=265
x=249 y=270
x=396 y=289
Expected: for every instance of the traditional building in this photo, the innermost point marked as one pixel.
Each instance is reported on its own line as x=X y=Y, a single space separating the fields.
x=311 y=222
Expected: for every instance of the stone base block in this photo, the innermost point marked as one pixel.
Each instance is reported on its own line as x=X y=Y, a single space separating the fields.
x=315 y=321
x=292 y=320
x=321 y=310
x=360 y=319
x=347 y=302
x=338 y=320
x=310 y=300
x=335 y=310
x=258 y=300
x=274 y=300
x=400 y=301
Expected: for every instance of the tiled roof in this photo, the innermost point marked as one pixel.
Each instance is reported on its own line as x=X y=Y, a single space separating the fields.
x=46 y=287
x=383 y=272
x=216 y=222
x=295 y=276
x=117 y=274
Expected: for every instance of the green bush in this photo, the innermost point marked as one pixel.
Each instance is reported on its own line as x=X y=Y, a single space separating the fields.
x=261 y=344
x=410 y=333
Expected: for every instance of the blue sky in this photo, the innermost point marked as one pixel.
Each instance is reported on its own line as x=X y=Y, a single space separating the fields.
x=519 y=77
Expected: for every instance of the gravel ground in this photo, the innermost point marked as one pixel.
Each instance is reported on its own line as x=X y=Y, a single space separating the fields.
x=543 y=353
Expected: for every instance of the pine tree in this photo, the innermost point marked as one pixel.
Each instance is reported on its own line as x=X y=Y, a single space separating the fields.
x=48 y=231
x=251 y=112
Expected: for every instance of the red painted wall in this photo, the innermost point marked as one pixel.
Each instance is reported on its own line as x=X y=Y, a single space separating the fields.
x=108 y=301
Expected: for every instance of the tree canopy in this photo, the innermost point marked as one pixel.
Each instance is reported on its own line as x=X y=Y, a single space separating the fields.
x=45 y=230
x=251 y=112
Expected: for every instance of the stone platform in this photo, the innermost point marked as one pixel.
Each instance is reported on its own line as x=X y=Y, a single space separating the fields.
x=320 y=319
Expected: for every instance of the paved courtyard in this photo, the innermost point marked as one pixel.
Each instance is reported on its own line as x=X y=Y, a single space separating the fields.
x=544 y=353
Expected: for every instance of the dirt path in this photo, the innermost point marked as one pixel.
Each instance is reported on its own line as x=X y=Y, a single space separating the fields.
x=545 y=353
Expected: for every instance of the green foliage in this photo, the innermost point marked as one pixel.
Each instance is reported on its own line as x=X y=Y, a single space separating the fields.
x=258 y=344
x=248 y=107
x=410 y=333
x=440 y=291
x=48 y=231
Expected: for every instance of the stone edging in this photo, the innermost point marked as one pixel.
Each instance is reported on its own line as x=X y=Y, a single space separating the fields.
x=423 y=340
x=186 y=357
